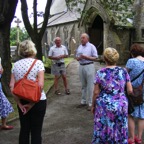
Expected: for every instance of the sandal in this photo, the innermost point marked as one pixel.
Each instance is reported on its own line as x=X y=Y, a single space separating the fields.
x=67 y=91
x=130 y=141
x=57 y=92
x=137 y=140
x=7 y=127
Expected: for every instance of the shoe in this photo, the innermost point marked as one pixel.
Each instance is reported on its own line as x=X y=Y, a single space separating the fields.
x=89 y=108
x=67 y=92
x=81 y=105
x=57 y=92
x=137 y=140
x=7 y=127
x=130 y=141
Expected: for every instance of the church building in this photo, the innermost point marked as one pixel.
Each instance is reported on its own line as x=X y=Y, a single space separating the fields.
x=103 y=25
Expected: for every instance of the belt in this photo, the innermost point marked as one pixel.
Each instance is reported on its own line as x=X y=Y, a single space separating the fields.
x=59 y=64
x=86 y=63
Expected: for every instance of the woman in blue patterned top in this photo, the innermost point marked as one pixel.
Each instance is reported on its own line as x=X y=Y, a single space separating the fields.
x=135 y=66
x=110 y=106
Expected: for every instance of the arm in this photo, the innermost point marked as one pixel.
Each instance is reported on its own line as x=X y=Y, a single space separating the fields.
x=95 y=95
x=54 y=58
x=12 y=82
x=41 y=79
x=129 y=88
x=93 y=56
x=88 y=57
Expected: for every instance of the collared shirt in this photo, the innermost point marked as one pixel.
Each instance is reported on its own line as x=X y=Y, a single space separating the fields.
x=88 y=50
x=57 y=51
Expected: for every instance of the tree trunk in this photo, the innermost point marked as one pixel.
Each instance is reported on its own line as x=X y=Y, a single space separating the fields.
x=5 y=56
x=39 y=48
x=33 y=32
x=7 y=11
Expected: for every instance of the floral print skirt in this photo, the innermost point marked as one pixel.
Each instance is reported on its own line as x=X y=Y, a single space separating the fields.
x=5 y=106
x=111 y=121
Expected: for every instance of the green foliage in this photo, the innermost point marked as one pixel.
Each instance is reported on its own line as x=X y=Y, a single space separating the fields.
x=23 y=35
x=75 y=5
x=119 y=10
x=47 y=62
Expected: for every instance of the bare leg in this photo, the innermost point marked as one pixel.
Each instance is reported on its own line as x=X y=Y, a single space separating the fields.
x=65 y=81
x=140 y=128
x=131 y=126
x=4 y=125
x=3 y=122
x=56 y=82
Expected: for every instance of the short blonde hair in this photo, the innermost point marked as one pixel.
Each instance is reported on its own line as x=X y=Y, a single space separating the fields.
x=111 y=55
x=27 y=49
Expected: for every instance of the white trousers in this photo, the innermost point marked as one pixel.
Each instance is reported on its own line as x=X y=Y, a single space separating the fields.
x=86 y=73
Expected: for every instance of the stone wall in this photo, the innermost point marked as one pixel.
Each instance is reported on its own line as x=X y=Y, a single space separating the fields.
x=68 y=32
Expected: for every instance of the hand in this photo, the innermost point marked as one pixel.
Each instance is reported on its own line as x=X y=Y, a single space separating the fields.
x=84 y=57
x=59 y=57
x=93 y=109
x=11 y=89
x=22 y=108
x=25 y=108
x=28 y=107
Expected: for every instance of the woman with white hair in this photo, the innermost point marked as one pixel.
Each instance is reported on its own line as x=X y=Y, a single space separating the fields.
x=31 y=114
x=110 y=105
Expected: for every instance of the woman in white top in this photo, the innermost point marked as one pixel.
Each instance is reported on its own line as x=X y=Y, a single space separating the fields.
x=31 y=114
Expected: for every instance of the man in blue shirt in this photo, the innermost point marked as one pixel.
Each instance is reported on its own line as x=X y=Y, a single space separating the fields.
x=86 y=54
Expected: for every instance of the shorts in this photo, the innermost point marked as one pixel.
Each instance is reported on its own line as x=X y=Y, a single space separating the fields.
x=58 y=69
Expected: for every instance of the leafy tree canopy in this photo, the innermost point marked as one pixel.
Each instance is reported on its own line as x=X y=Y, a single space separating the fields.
x=23 y=35
x=118 y=10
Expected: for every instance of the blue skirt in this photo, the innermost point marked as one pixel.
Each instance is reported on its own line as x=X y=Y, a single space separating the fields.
x=5 y=106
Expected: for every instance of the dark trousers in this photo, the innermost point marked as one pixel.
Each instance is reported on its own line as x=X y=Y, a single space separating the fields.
x=31 y=123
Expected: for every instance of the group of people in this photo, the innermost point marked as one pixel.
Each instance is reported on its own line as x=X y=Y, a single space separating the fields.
x=108 y=101
x=103 y=93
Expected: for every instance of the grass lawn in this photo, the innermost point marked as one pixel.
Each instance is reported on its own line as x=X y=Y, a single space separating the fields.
x=47 y=85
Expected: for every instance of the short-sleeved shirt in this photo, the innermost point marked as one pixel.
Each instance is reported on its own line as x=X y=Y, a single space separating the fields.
x=88 y=50
x=57 y=51
x=135 y=67
x=22 y=66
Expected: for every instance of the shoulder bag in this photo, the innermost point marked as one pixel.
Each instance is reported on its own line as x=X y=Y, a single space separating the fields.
x=137 y=96
x=27 y=89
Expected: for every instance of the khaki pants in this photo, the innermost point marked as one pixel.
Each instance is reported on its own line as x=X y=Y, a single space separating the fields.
x=86 y=73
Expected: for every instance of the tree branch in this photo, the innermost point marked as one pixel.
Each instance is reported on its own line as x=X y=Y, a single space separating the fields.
x=24 y=10
x=35 y=15
x=46 y=17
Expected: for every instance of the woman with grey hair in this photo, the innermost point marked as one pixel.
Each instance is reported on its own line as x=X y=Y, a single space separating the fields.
x=31 y=114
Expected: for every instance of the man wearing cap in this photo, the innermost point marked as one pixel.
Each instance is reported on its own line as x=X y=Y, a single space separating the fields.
x=86 y=54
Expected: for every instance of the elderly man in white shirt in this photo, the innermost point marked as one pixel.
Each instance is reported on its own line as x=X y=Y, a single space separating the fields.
x=57 y=54
x=86 y=54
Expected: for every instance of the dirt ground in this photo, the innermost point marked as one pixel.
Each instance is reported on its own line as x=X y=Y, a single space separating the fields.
x=63 y=123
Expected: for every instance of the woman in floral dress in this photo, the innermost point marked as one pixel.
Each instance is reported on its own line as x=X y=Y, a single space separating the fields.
x=5 y=106
x=110 y=106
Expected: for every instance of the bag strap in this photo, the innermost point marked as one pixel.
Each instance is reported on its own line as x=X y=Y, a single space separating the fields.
x=137 y=76
x=30 y=68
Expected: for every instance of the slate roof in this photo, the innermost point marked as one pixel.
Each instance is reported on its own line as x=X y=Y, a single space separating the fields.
x=64 y=17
